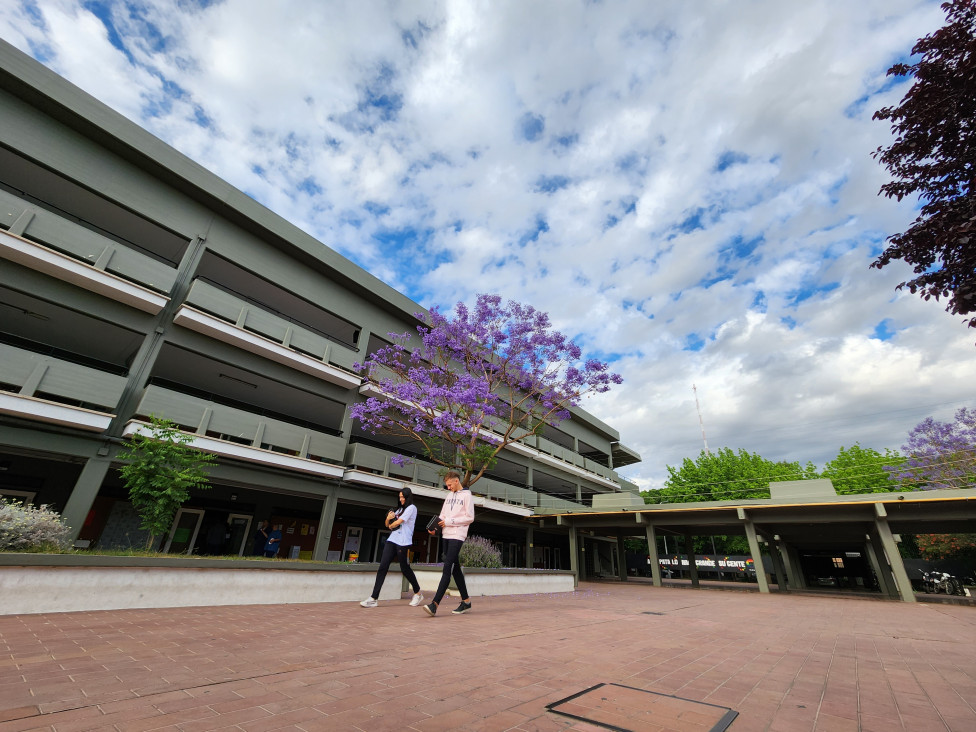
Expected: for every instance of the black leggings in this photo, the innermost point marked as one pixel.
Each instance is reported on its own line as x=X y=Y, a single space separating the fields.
x=452 y=568
x=389 y=550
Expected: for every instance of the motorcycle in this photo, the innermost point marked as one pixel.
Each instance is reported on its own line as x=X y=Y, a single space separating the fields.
x=936 y=582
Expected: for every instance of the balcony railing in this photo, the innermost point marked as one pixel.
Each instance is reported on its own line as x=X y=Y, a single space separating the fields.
x=376 y=460
x=246 y=316
x=240 y=426
x=45 y=377
x=40 y=225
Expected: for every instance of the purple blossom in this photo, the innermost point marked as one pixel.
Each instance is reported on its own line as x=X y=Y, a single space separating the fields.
x=940 y=454
x=477 y=380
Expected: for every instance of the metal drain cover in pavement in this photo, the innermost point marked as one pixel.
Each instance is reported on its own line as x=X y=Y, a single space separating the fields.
x=626 y=709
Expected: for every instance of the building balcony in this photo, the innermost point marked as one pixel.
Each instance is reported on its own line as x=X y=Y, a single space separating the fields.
x=220 y=315
x=541 y=450
x=372 y=465
x=254 y=437
x=57 y=380
x=41 y=240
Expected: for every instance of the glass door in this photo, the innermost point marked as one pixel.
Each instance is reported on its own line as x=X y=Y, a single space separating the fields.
x=183 y=536
x=240 y=531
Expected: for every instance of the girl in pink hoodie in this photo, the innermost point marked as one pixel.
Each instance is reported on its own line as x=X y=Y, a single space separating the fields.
x=456 y=516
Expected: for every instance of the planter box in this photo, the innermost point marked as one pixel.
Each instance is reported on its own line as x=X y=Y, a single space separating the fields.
x=45 y=583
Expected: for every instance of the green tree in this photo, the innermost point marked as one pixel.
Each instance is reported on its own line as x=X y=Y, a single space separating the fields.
x=862 y=470
x=161 y=470
x=725 y=475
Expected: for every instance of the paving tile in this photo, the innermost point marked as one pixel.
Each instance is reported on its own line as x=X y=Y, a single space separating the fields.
x=784 y=662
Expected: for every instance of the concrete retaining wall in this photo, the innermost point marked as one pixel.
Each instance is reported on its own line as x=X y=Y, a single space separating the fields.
x=62 y=585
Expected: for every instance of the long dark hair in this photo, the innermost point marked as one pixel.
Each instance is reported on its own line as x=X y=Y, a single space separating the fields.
x=407 y=500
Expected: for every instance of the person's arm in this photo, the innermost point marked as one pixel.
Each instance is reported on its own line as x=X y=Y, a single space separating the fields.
x=467 y=517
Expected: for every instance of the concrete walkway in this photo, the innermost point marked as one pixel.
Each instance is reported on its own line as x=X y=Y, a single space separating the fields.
x=782 y=662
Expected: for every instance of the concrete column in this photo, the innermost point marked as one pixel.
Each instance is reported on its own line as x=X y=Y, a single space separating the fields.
x=692 y=567
x=891 y=553
x=574 y=555
x=754 y=550
x=794 y=556
x=148 y=351
x=880 y=570
x=655 y=559
x=621 y=559
x=326 y=520
x=529 y=545
x=782 y=581
x=85 y=491
x=791 y=570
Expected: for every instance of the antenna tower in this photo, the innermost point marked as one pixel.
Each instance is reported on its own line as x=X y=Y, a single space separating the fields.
x=700 y=421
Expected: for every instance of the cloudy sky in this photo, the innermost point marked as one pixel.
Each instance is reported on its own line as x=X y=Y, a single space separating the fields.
x=687 y=188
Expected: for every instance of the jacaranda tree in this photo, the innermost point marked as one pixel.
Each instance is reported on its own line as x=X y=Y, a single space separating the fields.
x=476 y=381
x=940 y=454
x=934 y=157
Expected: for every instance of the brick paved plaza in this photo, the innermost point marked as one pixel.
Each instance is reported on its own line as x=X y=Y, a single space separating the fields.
x=783 y=662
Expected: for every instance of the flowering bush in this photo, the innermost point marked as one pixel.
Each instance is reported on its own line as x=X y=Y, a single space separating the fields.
x=479 y=552
x=946 y=546
x=28 y=529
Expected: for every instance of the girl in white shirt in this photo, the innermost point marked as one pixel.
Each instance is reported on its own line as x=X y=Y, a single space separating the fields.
x=401 y=523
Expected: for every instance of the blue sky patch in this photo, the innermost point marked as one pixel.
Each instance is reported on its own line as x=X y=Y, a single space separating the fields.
x=310 y=187
x=800 y=294
x=693 y=342
x=541 y=227
x=531 y=126
x=882 y=331
x=103 y=12
x=551 y=184
x=376 y=209
x=759 y=302
x=739 y=248
x=729 y=158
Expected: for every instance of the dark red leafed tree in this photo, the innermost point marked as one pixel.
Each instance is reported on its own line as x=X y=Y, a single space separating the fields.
x=934 y=157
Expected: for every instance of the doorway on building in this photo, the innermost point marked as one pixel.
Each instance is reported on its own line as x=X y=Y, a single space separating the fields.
x=183 y=536
x=239 y=526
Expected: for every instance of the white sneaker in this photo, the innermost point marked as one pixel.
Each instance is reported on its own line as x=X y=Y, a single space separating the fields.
x=416 y=599
x=369 y=602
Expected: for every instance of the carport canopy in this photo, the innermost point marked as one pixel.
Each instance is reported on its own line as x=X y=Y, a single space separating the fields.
x=799 y=516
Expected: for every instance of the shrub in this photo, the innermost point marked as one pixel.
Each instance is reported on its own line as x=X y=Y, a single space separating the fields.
x=479 y=552
x=28 y=529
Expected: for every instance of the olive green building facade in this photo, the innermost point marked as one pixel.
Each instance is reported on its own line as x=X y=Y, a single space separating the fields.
x=133 y=282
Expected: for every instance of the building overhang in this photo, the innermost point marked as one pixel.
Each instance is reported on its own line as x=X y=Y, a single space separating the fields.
x=835 y=520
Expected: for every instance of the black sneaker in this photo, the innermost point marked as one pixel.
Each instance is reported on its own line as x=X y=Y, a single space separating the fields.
x=461 y=609
x=431 y=609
